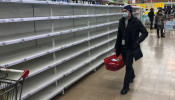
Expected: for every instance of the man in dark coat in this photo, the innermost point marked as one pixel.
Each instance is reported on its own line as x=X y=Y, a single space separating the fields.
x=128 y=43
x=151 y=17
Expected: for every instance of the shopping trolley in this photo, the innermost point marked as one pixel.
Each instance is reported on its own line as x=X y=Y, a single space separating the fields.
x=11 y=89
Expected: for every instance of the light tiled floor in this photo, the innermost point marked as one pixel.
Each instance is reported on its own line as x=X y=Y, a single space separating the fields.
x=155 y=76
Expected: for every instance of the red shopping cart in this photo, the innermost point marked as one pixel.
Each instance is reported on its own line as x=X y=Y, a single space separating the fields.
x=114 y=63
x=11 y=89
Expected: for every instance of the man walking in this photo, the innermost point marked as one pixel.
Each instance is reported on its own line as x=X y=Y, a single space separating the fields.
x=151 y=17
x=128 y=43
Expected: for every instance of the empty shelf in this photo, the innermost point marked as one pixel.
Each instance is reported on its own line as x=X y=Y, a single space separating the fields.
x=12 y=20
x=58 y=3
x=25 y=56
x=52 y=90
x=41 y=64
x=48 y=78
x=60 y=45
x=9 y=40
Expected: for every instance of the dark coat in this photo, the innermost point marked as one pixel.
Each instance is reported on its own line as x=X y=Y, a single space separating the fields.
x=151 y=15
x=161 y=21
x=132 y=36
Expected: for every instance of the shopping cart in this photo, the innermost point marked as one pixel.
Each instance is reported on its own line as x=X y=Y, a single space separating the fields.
x=11 y=89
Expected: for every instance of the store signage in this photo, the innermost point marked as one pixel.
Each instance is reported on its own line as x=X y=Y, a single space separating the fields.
x=159 y=5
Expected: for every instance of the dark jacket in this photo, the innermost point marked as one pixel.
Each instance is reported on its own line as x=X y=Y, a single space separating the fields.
x=132 y=36
x=151 y=15
x=159 y=20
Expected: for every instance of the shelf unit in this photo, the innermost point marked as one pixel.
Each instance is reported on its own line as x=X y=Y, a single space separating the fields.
x=58 y=42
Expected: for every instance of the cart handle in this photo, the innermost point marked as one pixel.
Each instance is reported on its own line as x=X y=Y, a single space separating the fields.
x=24 y=75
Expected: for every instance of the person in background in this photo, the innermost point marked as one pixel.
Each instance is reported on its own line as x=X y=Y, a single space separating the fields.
x=172 y=11
x=159 y=20
x=89 y=1
x=163 y=13
x=93 y=1
x=169 y=12
x=166 y=13
x=128 y=43
x=151 y=17
x=75 y=1
x=164 y=17
x=97 y=1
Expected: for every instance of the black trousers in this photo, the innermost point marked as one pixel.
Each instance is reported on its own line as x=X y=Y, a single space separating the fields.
x=158 y=32
x=128 y=60
x=151 y=26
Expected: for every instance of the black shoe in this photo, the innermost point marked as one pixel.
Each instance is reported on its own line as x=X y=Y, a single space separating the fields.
x=124 y=90
x=162 y=36
x=132 y=79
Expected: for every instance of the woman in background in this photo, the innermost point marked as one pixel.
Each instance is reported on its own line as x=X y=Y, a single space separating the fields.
x=159 y=20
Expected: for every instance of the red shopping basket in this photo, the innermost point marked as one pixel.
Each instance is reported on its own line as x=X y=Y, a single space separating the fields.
x=113 y=64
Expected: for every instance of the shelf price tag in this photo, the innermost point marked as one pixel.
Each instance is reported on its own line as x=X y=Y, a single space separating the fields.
x=61 y=17
x=2 y=21
x=25 y=59
x=3 y=43
x=48 y=52
x=49 y=67
x=49 y=18
x=21 y=19
x=22 y=40
x=48 y=35
x=66 y=74
x=6 y=65
x=64 y=61
x=60 y=3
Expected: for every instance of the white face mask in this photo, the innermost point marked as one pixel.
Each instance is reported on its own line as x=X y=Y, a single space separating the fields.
x=125 y=15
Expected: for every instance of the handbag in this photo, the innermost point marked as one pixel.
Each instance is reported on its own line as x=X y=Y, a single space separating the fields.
x=114 y=63
x=155 y=26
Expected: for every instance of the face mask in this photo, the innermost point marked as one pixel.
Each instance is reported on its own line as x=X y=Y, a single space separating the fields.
x=125 y=15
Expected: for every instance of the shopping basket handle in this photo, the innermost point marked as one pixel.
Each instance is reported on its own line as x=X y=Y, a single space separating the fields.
x=25 y=74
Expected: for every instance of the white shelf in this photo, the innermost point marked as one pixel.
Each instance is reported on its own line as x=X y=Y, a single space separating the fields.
x=59 y=3
x=136 y=12
x=48 y=92
x=40 y=65
x=58 y=42
x=26 y=56
x=56 y=3
x=51 y=91
x=7 y=41
x=13 y=20
x=48 y=78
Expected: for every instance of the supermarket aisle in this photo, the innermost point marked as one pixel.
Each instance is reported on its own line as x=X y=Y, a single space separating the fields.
x=155 y=76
